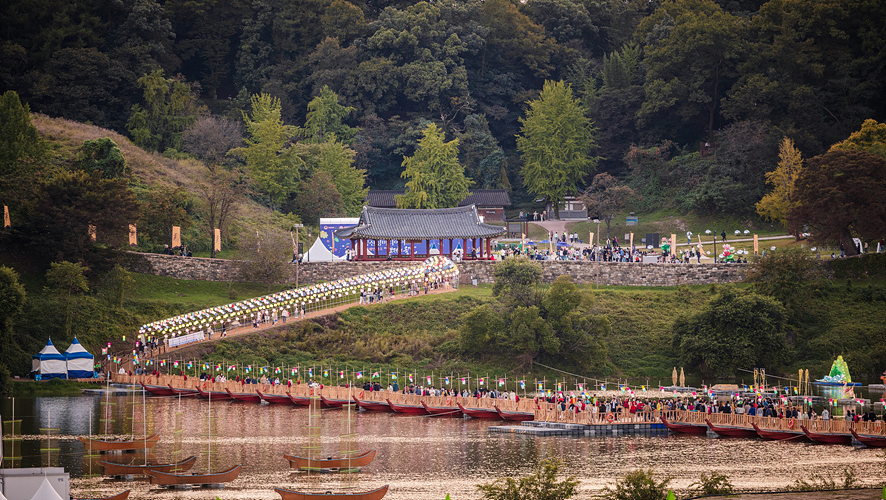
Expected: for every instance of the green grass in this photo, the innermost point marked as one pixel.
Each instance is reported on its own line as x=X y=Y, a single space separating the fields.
x=199 y=293
x=54 y=387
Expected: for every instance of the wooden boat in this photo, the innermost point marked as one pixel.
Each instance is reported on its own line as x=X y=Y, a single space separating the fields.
x=157 y=390
x=183 y=392
x=360 y=460
x=115 y=469
x=410 y=409
x=275 y=398
x=445 y=411
x=779 y=435
x=332 y=403
x=119 y=496
x=518 y=416
x=731 y=431
x=478 y=412
x=372 y=405
x=376 y=494
x=299 y=400
x=685 y=428
x=244 y=396
x=216 y=395
x=169 y=479
x=827 y=437
x=869 y=441
x=136 y=444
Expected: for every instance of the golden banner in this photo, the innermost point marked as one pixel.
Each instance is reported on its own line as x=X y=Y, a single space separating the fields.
x=216 y=242
x=673 y=243
x=632 y=242
x=176 y=236
x=6 y=221
x=133 y=235
x=756 y=244
x=92 y=234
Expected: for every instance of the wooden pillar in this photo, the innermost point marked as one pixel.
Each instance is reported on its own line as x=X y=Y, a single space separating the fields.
x=365 y=249
x=389 y=249
x=488 y=248
x=450 y=248
x=412 y=250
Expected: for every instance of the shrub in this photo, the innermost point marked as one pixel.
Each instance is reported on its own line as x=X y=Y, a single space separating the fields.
x=638 y=485
x=712 y=484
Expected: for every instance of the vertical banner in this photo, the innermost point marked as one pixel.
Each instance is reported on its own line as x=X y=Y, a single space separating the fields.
x=133 y=235
x=673 y=243
x=591 y=239
x=756 y=244
x=216 y=241
x=176 y=236
x=92 y=234
x=632 y=242
x=6 y=221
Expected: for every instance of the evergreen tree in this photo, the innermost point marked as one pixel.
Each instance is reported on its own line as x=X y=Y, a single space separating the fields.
x=555 y=142
x=435 y=177
x=170 y=108
x=19 y=139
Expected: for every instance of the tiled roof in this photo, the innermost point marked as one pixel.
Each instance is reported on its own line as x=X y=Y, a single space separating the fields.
x=419 y=224
x=479 y=197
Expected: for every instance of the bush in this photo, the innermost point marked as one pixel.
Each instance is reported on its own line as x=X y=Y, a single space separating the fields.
x=638 y=485
x=712 y=484
x=543 y=485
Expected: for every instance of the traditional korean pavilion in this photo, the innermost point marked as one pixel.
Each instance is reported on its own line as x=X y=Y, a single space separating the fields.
x=416 y=234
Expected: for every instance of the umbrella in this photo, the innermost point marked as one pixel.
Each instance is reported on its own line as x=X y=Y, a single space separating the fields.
x=562 y=244
x=531 y=243
x=545 y=241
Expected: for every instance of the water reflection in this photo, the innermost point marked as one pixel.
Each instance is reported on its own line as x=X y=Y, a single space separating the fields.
x=420 y=457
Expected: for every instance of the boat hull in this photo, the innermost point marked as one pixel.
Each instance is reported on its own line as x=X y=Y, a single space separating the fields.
x=119 y=496
x=244 y=396
x=168 y=479
x=443 y=411
x=183 y=392
x=157 y=390
x=361 y=460
x=779 y=435
x=685 y=428
x=729 y=431
x=115 y=469
x=870 y=441
x=827 y=438
x=372 y=405
x=299 y=495
x=216 y=395
x=332 y=403
x=137 y=444
x=408 y=409
x=516 y=416
x=478 y=412
x=275 y=399
x=299 y=400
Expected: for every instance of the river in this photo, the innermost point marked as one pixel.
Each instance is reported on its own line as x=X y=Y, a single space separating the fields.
x=420 y=457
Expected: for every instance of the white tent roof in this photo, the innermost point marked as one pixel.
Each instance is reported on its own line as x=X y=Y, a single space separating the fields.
x=46 y=492
x=319 y=253
x=1 y=496
x=76 y=350
x=49 y=361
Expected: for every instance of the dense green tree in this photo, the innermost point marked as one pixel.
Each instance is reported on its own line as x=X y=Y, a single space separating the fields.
x=162 y=208
x=169 y=109
x=65 y=280
x=435 y=177
x=103 y=156
x=337 y=160
x=19 y=139
x=325 y=120
x=605 y=197
x=786 y=274
x=267 y=155
x=840 y=196
x=12 y=300
x=318 y=197
x=555 y=143
x=255 y=53
x=517 y=282
x=343 y=21
x=871 y=138
x=56 y=221
x=691 y=48
x=480 y=152
x=734 y=330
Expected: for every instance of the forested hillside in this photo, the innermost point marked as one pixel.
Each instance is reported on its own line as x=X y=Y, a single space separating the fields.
x=674 y=74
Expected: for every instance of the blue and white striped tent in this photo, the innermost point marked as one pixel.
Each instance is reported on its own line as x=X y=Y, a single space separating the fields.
x=79 y=361
x=49 y=363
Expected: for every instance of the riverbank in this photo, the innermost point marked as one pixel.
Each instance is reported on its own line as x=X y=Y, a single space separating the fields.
x=859 y=494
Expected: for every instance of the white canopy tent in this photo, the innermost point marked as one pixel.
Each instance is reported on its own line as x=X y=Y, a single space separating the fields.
x=49 y=363
x=46 y=492
x=79 y=361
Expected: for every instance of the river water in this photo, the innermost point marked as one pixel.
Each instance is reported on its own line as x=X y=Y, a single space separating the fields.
x=420 y=457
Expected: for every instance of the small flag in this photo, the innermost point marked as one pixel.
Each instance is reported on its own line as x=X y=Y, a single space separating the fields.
x=341 y=374
x=559 y=386
x=481 y=381
x=462 y=381
x=325 y=373
x=375 y=375
x=501 y=382
x=394 y=376
x=447 y=380
x=522 y=385
x=359 y=375
x=540 y=386
x=410 y=378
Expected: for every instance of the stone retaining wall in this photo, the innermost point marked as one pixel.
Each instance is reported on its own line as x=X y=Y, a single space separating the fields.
x=604 y=273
